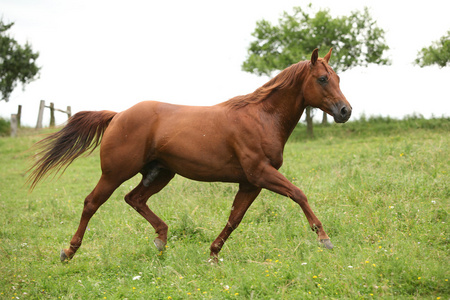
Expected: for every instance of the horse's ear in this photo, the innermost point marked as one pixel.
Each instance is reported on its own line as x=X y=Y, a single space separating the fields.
x=327 y=57
x=314 y=56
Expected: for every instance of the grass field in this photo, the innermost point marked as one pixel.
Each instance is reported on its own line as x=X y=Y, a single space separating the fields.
x=380 y=187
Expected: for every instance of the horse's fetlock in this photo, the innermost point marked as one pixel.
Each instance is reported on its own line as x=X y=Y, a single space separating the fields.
x=162 y=229
x=215 y=248
x=316 y=228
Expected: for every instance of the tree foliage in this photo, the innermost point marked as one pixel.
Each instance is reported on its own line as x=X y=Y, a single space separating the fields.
x=436 y=54
x=356 y=40
x=17 y=63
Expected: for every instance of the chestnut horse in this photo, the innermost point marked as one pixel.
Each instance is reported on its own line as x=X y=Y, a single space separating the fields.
x=240 y=140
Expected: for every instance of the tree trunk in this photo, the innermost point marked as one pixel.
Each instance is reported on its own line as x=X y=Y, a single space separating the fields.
x=309 y=122
x=324 y=118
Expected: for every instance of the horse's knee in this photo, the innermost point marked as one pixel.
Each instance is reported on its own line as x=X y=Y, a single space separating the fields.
x=298 y=196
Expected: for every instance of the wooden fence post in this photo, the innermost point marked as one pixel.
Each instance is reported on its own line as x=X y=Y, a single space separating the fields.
x=52 y=114
x=13 y=125
x=40 y=114
x=42 y=107
x=19 y=115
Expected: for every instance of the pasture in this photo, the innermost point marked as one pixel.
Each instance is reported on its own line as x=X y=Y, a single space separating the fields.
x=380 y=187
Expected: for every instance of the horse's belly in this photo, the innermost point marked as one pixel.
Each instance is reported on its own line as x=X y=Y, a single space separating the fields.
x=206 y=169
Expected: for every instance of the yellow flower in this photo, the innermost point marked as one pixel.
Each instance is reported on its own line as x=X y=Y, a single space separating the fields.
x=169 y=297
x=236 y=294
x=314 y=276
x=419 y=278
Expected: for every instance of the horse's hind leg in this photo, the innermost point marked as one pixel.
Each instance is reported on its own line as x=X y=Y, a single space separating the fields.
x=138 y=197
x=93 y=201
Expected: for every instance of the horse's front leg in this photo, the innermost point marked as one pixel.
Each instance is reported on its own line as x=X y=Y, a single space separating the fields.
x=271 y=179
x=244 y=198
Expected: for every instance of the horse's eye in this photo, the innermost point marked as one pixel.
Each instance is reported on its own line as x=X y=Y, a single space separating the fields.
x=322 y=80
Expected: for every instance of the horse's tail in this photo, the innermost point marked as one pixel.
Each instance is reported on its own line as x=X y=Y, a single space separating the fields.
x=83 y=132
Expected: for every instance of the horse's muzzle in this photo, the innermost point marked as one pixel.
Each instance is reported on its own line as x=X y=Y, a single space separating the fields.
x=342 y=112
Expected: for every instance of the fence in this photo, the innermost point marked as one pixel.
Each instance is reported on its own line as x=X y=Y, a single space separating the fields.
x=15 y=121
x=42 y=106
x=15 y=118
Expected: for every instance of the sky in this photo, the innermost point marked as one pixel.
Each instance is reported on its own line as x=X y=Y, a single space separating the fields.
x=108 y=54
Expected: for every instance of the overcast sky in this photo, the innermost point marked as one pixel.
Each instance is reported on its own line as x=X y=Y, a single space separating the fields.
x=112 y=54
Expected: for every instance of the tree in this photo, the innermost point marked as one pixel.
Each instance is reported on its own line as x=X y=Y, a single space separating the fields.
x=356 y=41
x=17 y=63
x=437 y=54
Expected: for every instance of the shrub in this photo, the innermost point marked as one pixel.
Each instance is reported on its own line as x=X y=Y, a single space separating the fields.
x=5 y=127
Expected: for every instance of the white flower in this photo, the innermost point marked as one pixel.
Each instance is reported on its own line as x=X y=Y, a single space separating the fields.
x=304 y=264
x=432 y=201
x=136 y=277
x=350 y=267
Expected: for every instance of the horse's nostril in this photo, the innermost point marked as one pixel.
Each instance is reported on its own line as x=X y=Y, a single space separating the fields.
x=344 y=111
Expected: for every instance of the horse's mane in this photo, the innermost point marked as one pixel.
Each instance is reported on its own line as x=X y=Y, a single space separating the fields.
x=285 y=79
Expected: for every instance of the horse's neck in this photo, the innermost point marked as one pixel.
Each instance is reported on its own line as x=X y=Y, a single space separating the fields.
x=285 y=107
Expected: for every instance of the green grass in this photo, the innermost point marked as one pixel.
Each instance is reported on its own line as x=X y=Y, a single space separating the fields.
x=380 y=189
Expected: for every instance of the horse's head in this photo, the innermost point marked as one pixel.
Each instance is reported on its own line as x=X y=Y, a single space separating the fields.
x=321 y=89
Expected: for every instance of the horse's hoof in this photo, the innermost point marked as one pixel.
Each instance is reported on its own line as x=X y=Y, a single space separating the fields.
x=159 y=244
x=213 y=260
x=63 y=256
x=327 y=243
